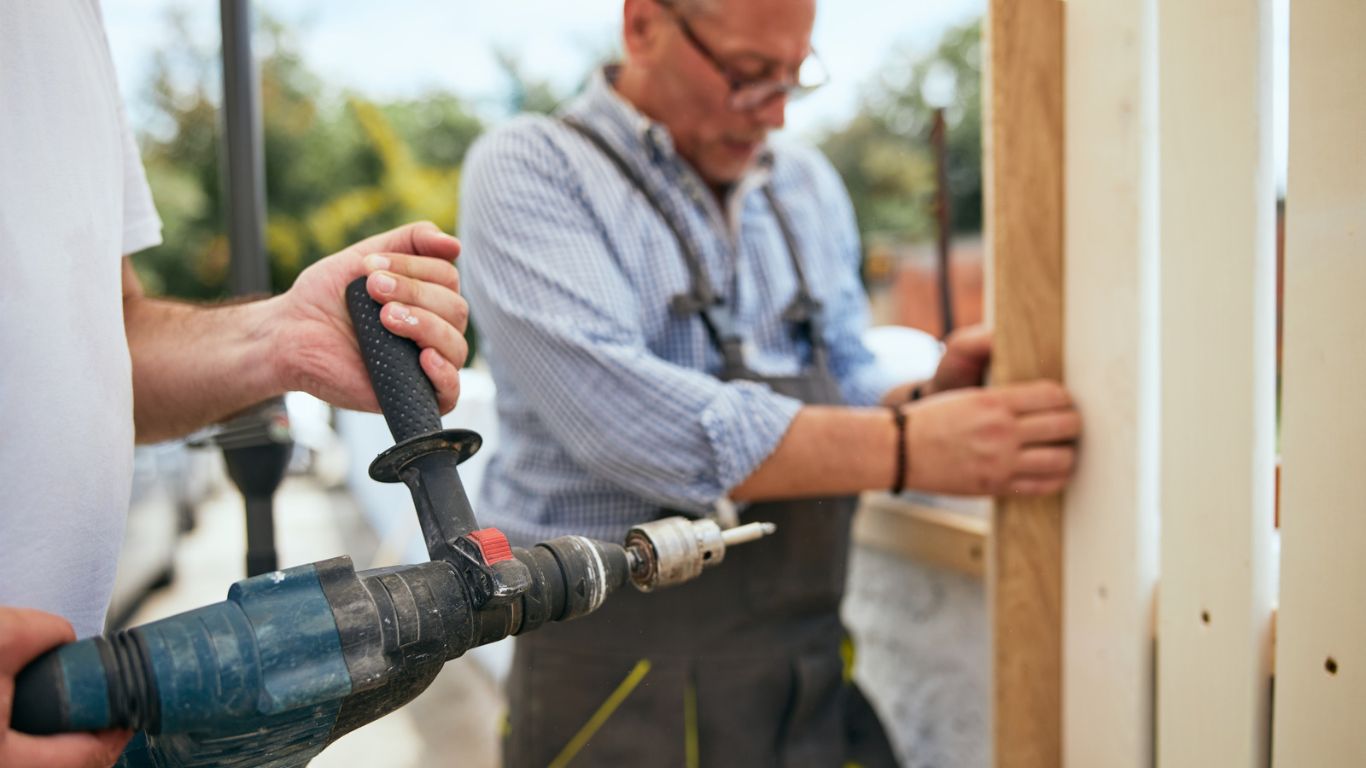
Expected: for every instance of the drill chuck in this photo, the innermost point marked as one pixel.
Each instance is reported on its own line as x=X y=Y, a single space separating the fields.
x=674 y=550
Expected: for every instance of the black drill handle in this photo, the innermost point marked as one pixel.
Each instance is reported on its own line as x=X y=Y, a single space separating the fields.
x=405 y=394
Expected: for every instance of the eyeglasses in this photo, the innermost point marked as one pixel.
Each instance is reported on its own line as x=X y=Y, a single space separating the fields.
x=752 y=93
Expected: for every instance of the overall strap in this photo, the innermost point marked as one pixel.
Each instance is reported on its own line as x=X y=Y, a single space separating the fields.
x=701 y=299
x=805 y=310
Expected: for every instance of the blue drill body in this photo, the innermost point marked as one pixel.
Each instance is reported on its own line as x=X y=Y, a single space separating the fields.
x=293 y=689
x=293 y=660
x=268 y=660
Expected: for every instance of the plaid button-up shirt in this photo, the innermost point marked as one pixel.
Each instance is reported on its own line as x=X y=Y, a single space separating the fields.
x=608 y=405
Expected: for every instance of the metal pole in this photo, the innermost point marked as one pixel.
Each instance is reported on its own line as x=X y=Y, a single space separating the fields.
x=257 y=469
x=938 y=139
x=249 y=271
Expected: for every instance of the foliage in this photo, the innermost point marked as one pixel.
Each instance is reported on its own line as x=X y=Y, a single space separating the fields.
x=884 y=154
x=338 y=168
x=525 y=94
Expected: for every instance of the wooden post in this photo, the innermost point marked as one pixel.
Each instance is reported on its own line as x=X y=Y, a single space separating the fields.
x=1110 y=522
x=1321 y=635
x=1024 y=169
x=1218 y=383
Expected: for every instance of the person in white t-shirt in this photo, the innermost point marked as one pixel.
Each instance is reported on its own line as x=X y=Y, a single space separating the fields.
x=89 y=364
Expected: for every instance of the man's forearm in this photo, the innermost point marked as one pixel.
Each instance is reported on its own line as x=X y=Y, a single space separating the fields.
x=193 y=365
x=1016 y=438
x=827 y=451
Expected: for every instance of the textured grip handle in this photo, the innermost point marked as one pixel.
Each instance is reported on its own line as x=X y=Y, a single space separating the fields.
x=404 y=392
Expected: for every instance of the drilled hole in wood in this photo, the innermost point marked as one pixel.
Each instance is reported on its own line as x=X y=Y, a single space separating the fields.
x=1204 y=617
x=1331 y=665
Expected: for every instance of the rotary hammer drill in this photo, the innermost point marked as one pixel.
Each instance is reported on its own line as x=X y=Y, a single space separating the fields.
x=295 y=659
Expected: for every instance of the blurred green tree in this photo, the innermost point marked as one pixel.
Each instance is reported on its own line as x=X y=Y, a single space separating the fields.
x=338 y=168
x=883 y=153
x=526 y=93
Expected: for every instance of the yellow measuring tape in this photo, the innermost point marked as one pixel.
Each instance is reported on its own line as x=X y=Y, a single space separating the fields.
x=590 y=728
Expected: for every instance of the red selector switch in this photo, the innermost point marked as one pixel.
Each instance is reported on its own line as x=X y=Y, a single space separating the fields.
x=493 y=545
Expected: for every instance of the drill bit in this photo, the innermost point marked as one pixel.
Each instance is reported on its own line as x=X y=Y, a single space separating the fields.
x=748 y=532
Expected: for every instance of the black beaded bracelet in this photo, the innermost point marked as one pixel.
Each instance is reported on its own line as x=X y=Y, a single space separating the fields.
x=899 y=479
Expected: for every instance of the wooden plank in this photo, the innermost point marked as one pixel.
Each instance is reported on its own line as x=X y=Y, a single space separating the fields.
x=1024 y=167
x=1218 y=378
x=1110 y=519
x=941 y=538
x=1321 y=648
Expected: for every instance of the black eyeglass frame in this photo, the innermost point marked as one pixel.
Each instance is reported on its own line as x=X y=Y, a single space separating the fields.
x=761 y=91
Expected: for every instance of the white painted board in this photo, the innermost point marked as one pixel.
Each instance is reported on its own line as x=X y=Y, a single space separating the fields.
x=1217 y=352
x=1111 y=515
x=1320 y=717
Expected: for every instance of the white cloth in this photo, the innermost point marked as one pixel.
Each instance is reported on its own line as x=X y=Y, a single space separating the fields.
x=73 y=201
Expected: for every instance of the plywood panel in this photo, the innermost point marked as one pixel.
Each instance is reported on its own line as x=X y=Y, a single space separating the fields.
x=1320 y=714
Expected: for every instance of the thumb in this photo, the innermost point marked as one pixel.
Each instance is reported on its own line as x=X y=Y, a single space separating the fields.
x=421 y=238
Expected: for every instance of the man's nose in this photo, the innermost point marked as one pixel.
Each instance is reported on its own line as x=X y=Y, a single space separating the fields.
x=772 y=114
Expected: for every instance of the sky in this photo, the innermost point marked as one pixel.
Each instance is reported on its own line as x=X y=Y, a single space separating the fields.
x=397 y=48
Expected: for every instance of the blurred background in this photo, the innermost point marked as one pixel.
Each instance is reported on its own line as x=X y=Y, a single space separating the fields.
x=369 y=109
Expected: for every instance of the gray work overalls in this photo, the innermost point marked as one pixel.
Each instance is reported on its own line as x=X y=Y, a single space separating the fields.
x=747 y=666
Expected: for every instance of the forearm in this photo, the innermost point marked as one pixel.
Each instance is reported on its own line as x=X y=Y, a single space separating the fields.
x=193 y=365
x=827 y=451
x=1016 y=439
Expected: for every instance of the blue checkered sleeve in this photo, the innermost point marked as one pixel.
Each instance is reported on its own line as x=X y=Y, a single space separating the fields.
x=562 y=327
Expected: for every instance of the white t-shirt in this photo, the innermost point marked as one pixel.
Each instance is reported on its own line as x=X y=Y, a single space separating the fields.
x=73 y=201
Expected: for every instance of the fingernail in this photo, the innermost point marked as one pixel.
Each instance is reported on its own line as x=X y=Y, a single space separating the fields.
x=438 y=361
x=385 y=283
x=401 y=314
x=375 y=262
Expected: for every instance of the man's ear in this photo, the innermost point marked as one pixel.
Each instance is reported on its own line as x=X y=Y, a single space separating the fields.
x=641 y=22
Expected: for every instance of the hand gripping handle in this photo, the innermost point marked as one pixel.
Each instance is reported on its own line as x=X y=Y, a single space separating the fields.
x=404 y=392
